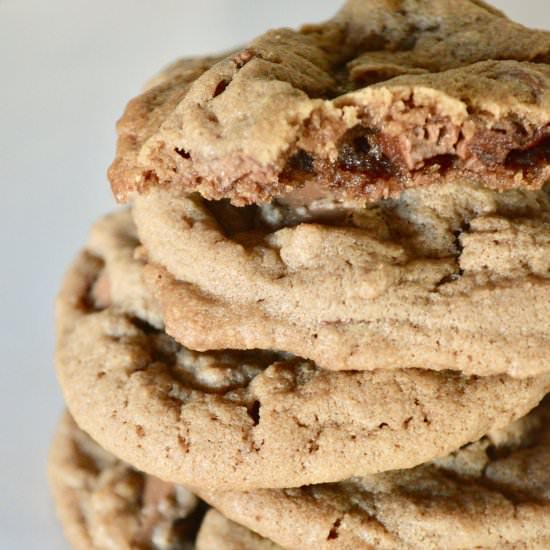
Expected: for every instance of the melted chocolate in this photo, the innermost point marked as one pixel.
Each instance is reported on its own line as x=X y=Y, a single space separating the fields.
x=360 y=151
x=530 y=158
x=301 y=161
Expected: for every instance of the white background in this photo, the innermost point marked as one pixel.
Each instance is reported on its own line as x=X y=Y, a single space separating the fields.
x=67 y=68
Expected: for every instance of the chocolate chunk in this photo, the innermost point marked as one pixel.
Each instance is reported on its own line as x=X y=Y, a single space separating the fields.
x=361 y=152
x=301 y=161
x=530 y=158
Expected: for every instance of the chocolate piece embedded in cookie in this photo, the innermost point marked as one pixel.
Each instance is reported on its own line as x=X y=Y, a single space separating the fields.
x=453 y=276
x=383 y=97
x=493 y=494
x=104 y=504
x=258 y=419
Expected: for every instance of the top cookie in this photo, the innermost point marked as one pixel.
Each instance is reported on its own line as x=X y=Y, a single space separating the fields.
x=385 y=96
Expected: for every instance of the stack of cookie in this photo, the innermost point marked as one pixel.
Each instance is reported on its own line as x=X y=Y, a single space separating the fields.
x=325 y=311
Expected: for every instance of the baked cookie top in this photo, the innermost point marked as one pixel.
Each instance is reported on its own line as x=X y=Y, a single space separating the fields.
x=451 y=276
x=493 y=494
x=385 y=96
x=253 y=419
x=105 y=504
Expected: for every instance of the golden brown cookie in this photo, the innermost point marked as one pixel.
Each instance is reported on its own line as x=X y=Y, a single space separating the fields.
x=453 y=276
x=385 y=96
x=493 y=494
x=256 y=419
x=144 y=115
x=105 y=504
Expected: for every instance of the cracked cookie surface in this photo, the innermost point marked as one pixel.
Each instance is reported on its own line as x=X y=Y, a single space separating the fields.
x=104 y=504
x=453 y=276
x=492 y=494
x=385 y=96
x=256 y=419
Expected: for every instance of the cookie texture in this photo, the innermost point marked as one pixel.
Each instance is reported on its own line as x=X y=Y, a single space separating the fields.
x=453 y=276
x=237 y=419
x=493 y=494
x=104 y=504
x=114 y=240
x=385 y=96
x=219 y=533
x=144 y=115
x=182 y=70
x=113 y=251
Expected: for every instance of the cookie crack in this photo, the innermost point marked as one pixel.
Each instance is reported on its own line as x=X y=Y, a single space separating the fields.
x=513 y=497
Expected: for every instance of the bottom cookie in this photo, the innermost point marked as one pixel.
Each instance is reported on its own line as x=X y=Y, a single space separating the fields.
x=104 y=504
x=492 y=494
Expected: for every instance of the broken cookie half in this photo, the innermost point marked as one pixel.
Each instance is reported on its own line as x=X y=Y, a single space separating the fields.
x=383 y=97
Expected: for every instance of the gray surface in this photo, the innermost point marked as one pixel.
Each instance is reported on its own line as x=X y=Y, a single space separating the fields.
x=68 y=67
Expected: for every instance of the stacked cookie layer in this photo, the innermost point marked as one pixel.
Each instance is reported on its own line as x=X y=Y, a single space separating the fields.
x=325 y=310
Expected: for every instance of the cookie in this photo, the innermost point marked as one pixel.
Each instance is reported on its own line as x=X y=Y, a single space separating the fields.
x=383 y=97
x=453 y=276
x=237 y=419
x=112 y=249
x=105 y=504
x=182 y=70
x=219 y=533
x=144 y=115
x=493 y=494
